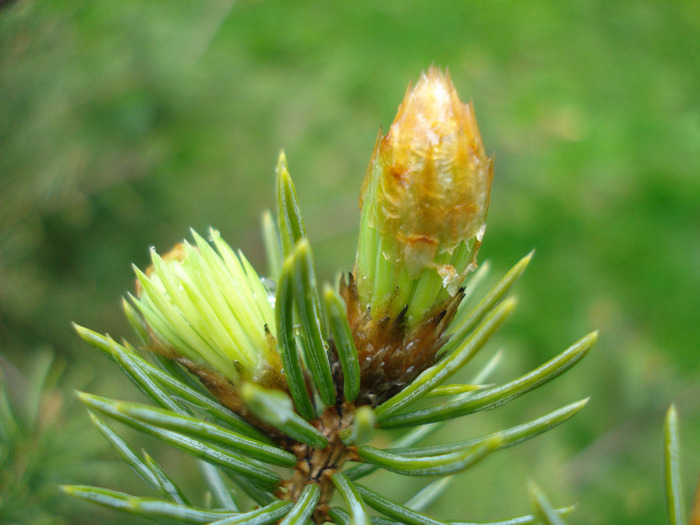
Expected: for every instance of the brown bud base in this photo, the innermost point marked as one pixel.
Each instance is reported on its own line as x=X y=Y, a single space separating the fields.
x=392 y=353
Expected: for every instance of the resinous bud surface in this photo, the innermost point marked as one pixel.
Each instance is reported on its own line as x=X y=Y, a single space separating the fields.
x=429 y=176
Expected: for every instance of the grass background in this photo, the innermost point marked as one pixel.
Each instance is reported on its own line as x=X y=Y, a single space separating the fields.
x=122 y=124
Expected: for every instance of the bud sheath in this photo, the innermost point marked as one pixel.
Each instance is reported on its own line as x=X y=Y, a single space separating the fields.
x=424 y=202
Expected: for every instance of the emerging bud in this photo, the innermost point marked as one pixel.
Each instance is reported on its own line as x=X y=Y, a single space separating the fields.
x=209 y=310
x=424 y=201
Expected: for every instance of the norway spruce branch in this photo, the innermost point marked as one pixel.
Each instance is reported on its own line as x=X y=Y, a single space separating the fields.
x=279 y=385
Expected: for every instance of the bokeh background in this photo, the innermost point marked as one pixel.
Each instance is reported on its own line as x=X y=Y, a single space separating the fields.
x=123 y=124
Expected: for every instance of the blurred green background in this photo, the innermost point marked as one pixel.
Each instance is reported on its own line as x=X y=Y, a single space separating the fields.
x=123 y=124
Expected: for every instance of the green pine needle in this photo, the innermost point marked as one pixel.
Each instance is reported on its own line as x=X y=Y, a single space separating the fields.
x=672 y=457
x=304 y=506
x=289 y=353
x=163 y=388
x=191 y=427
x=426 y=496
x=218 y=487
x=494 y=397
x=145 y=507
x=212 y=453
x=165 y=484
x=275 y=408
x=290 y=223
x=510 y=437
x=440 y=465
x=465 y=320
x=393 y=510
x=125 y=452
x=363 y=427
x=266 y=515
x=353 y=500
x=542 y=510
x=344 y=343
x=311 y=320
x=273 y=245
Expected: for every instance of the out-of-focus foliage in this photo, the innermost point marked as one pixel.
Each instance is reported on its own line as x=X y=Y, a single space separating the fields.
x=42 y=443
x=122 y=124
